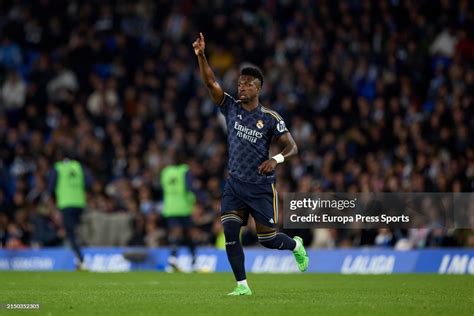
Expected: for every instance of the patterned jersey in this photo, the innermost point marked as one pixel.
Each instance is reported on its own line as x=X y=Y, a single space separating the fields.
x=249 y=135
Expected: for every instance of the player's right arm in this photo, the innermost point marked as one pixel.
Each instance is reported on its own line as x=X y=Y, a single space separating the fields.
x=207 y=75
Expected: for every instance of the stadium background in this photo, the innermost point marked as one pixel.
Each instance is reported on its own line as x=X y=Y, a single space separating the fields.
x=377 y=94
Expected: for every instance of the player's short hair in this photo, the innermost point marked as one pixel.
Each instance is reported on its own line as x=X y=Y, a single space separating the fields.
x=254 y=72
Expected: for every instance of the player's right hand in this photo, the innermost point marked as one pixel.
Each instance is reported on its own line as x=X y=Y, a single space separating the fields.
x=199 y=45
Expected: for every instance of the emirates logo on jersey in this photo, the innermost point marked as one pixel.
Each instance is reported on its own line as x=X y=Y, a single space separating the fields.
x=260 y=124
x=247 y=133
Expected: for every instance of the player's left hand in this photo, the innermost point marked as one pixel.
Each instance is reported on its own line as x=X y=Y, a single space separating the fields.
x=267 y=166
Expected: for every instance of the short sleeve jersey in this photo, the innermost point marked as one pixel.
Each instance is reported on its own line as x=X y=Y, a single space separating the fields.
x=249 y=135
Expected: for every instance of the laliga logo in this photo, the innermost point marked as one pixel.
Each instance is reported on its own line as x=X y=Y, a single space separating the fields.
x=281 y=127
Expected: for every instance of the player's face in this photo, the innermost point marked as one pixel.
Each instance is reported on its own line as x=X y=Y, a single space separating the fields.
x=248 y=87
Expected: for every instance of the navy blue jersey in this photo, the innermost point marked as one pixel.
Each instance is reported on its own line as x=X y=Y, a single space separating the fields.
x=249 y=135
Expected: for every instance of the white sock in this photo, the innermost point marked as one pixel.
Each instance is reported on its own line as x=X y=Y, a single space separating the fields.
x=243 y=282
x=298 y=245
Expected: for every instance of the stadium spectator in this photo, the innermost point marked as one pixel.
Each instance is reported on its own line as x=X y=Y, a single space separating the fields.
x=13 y=94
x=378 y=94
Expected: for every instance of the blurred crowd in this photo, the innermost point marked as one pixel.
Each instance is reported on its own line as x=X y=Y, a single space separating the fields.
x=377 y=94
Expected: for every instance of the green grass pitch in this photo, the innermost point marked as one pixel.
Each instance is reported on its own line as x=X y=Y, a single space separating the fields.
x=154 y=293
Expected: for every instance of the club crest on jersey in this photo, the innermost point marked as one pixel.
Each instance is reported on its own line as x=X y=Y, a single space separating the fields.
x=260 y=124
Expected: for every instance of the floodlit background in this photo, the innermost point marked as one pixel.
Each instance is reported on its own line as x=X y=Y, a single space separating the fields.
x=378 y=95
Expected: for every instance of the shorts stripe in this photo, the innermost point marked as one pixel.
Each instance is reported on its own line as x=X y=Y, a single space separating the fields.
x=275 y=204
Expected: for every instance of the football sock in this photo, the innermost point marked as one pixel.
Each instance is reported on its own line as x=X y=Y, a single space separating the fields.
x=71 y=236
x=192 y=248
x=174 y=244
x=274 y=240
x=235 y=253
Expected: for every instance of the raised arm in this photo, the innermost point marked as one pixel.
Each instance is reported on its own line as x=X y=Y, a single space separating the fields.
x=207 y=75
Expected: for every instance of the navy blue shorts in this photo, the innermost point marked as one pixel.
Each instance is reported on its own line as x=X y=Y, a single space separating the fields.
x=184 y=222
x=260 y=200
